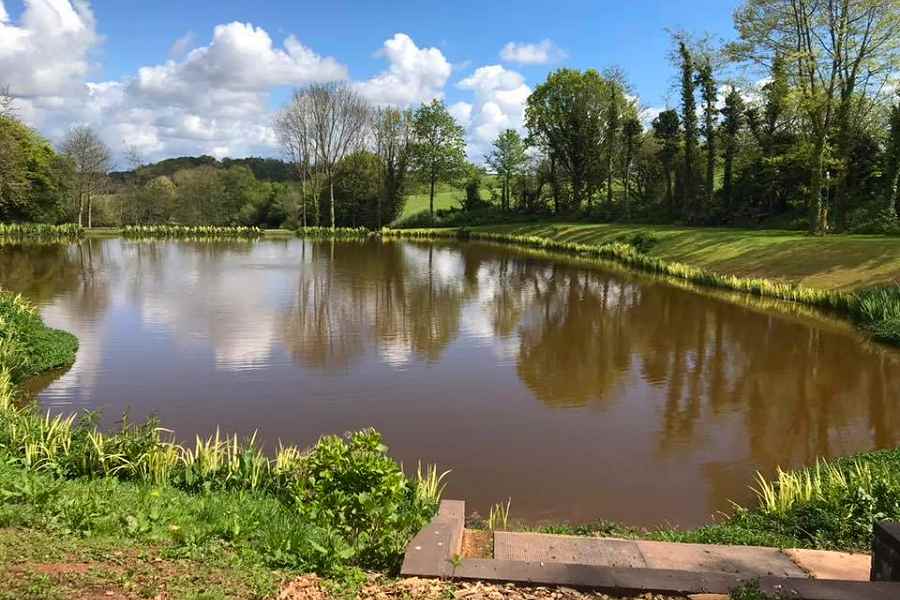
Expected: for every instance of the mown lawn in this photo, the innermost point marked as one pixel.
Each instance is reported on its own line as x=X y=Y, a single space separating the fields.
x=445 y=196
x=838 y=262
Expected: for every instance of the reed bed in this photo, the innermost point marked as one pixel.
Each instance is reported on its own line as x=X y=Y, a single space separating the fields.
x=335 y=233
x=40 y=232
x=200 y=232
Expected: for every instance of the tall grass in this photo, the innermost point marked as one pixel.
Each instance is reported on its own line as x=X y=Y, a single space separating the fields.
x=190 y=232
x=40 y=231
x=876 y=311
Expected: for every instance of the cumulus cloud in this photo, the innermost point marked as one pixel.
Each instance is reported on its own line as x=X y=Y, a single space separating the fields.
x=46 y=54
x=181 y=46
x=542 y=53
x=414 y=74
x=500 y=96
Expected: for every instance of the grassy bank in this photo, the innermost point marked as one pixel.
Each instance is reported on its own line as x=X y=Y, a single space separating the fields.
x=875 y=310
x=837 y=262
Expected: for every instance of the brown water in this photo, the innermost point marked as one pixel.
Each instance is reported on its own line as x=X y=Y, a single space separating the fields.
x=579 y=392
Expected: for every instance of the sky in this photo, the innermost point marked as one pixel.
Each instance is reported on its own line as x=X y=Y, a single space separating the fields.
x=201 y=77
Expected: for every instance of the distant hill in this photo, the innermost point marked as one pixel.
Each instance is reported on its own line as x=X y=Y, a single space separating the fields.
x=264 y=169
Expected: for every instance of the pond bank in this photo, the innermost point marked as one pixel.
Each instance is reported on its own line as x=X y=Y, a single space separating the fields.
x=876 y=310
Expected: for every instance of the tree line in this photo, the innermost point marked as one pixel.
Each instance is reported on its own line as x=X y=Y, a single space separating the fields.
x=811 y=139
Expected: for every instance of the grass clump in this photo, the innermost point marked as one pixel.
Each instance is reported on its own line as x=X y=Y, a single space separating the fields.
x=878 y=312
x=190 y=232
x=40 y=231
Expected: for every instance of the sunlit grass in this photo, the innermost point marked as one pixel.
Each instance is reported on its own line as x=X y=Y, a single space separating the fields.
x=190 y=232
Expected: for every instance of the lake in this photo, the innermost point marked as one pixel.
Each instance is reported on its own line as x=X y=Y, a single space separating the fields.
x=579 y=390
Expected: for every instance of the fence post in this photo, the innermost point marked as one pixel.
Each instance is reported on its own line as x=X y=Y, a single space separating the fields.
x=886 y=552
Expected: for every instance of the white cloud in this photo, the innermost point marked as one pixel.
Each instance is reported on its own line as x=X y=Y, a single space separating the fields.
x=500 y=96
x=542 y=53
x=461 y=112
x=414 y=74
x=46 y=54
x=180 y=47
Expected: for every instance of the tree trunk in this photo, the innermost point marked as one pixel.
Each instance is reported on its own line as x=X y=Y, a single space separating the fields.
x=431 y=197
x=303 y=200
x=331 y=193
x=817 y=211
x=90 y=203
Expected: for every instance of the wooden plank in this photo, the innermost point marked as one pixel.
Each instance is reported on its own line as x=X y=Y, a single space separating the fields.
x=740 y=560
x=625 y=581
x=431 y=551
x=535 y=547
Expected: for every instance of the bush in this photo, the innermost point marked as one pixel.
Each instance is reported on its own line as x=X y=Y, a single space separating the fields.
x=873 y=220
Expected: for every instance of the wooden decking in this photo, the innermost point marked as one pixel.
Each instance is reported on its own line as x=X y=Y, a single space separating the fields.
x=627 y=567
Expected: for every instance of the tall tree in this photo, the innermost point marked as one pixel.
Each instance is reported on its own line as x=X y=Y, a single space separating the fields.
x=568 y=112
x=708 y=92
x=892 y=163
x=92 y=161
x=7 y=102
x=732 y=123
x=392 y=129
x=631 y=139
x=338 y=119
x=439 y=148
x=667 y=128
x=834 y=47
x=507 y=158
x=615 y=105
x=294 y=128
x=689 y=128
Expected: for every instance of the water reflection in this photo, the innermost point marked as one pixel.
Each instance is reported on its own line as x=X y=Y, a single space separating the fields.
x=532 y=378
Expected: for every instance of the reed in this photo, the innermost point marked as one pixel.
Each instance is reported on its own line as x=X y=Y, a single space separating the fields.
x=329 y=233
x=40 y=232
x=498 y=518
x=195 y=232
x=430 y=484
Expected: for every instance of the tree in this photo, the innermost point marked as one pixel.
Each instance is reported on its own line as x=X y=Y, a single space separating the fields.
x=891 y=191
x=567 y=113
x=836 y=49
x=631 y=138
x=708 y=92
x=667 y=128
x=392 y=131
x=733 y=122
x=338 y=119
x=91 y=159
x=294 y=128
x=439 y=146
x=507 y=158
x=614 y=108
x=689 y=125
x=357 y=189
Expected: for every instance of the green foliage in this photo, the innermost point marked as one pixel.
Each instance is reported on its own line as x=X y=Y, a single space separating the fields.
x=34 y=179
x=439 y=150
x=750 y=591
x=878 y=311
x=336 y=233
x=27 y=346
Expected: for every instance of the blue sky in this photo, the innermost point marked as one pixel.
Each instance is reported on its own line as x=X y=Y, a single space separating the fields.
x=450 y=50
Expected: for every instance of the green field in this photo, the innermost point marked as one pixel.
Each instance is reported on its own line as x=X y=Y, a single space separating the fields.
x=839 y=262
x=445 y=196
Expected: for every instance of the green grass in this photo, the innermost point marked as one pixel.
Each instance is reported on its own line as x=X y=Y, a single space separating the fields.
x=445 y=196
x=838 y=262
x=27 y=346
